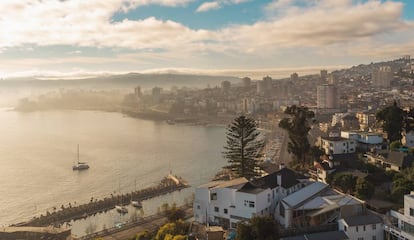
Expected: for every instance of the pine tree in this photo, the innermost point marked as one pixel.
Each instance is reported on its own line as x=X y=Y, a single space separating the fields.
x=243 y=147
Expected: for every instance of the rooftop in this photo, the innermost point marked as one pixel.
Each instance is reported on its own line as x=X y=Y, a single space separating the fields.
x=362 y=220
x=333 y=235
x=235 y=183
x=304 y=194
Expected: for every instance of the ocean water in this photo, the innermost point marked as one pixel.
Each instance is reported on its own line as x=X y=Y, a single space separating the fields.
x=38 y=149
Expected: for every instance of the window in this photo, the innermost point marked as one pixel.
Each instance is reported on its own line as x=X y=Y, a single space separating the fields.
x=268 y=197
x=360 y=238
x=345 y=228
x=374 y=226
x=356 y=229
x=282 y=210
x=411 y=212
x=374 y=237
x=198 y=207
x=216 y=209
x=213 y=196
x=251 y=204
x=364 y=228
x=225 y=211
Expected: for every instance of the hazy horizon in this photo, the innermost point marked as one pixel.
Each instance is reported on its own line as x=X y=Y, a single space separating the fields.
x=237 y=37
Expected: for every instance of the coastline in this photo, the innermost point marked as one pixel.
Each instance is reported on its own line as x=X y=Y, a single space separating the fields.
x=172 y=119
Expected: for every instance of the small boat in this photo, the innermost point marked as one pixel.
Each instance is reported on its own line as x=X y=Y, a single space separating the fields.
x=121 y=209
x=136 y=204
x=80 y=165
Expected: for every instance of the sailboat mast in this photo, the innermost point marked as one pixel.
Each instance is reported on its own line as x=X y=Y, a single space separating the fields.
x=78 y=153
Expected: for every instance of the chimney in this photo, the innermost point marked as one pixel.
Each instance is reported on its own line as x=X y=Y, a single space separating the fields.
x=279 y=179
x=281 y=166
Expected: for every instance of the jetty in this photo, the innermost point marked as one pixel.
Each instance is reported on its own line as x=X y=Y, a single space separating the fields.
x=168 y=184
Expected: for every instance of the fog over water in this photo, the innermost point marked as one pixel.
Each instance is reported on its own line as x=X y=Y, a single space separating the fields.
x=37 y=150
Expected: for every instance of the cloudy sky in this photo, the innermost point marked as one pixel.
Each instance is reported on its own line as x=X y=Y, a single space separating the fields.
x=94 y=36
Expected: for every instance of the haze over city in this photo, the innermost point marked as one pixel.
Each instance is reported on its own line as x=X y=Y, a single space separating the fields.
x=228 y=37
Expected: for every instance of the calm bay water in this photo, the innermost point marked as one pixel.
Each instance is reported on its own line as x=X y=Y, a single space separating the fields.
x=37 y=151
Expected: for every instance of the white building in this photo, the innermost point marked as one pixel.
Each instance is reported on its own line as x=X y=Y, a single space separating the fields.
x=337 y=145
x=400 y=225
x=316 y=204
x=365 y=140
x=228 y=202
x=362 y=227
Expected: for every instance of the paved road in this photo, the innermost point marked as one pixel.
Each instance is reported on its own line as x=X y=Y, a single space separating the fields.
x=150 y=225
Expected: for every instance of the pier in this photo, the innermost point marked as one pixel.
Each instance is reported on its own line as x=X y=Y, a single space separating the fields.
x=65 y=214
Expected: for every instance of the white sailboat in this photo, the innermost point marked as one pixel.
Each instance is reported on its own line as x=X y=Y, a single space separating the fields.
x=120 y=207
x=136 y=203
x=80 y=165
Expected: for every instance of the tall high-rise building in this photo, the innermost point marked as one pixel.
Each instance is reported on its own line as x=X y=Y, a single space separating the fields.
x=156 y=94
x=327 y=96
x=225 y=86
x=265 y=86
x=246 y=82
x=382 y=77
x=324 y=75
x=332 y=79
x=137 y=92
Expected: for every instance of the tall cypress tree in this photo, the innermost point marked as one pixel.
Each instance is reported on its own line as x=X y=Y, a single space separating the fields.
x=243 y=147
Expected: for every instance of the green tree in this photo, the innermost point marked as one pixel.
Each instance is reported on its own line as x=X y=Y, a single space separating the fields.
x=316 y=152
x=395 y=145
x=392 y=121
x=345 y=181
x=243 y=147
x=244 y=231
x=145 y=235
x=174 y=214
x=170 y=230
x=364 y=189
x=298 y=126
x=258 y=228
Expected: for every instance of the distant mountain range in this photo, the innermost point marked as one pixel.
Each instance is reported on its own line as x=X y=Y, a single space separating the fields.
x=129 y=80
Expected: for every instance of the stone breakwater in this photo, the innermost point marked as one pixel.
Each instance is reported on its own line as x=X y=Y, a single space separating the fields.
x=65 y=214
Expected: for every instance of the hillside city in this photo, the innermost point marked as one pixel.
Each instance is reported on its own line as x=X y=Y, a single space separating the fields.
x=355 y=182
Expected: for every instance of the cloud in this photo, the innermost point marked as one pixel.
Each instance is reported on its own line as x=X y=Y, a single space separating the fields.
x=292 y=32
x=207 y=6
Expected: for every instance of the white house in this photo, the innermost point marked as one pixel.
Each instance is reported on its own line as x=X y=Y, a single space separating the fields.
x=337 y=145
x=365 y=140
x=362 y=227
x=228 y=202
x=316 y=204
x=400 y=225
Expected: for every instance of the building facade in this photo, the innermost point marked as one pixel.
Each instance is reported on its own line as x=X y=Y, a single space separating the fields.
x=327 y=96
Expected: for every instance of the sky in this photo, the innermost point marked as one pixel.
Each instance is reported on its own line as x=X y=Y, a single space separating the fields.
x=78 y=37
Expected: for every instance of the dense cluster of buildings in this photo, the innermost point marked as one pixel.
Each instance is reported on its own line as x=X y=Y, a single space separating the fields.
x=304 y=205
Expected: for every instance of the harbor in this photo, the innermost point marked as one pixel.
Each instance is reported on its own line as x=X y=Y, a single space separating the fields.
x=68 y=213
